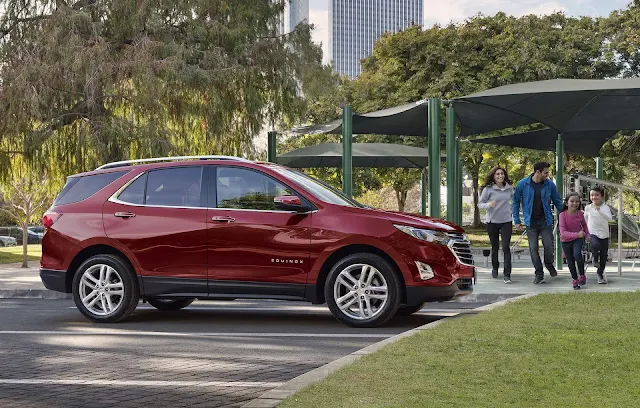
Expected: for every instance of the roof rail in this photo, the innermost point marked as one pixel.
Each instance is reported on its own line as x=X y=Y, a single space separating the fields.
x=159 y=159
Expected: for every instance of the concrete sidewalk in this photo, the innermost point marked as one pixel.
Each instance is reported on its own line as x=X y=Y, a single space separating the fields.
x=17 y=282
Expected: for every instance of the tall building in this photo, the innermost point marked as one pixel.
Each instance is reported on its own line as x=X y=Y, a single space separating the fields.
x=354 y=26
x=295 y=12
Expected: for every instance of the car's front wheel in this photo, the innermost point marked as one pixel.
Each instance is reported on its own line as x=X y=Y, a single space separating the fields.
x=170 y=304
x=363 y=290
x=105 y=289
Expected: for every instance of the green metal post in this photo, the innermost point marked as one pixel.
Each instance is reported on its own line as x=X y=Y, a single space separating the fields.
x=347 y=122
x=560 y=187
x=452 y=164
x=271 y=146
x=434 y=158
x=458 y=196
x=600 y=168
x=424 y=191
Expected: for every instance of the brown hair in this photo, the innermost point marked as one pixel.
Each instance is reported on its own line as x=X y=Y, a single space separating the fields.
x=489 y=180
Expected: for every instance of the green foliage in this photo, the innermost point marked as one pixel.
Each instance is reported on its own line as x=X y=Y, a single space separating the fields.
x=88 y=82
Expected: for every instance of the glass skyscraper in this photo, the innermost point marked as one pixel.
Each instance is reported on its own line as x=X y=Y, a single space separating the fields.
x=295 y=12
x=354 y=26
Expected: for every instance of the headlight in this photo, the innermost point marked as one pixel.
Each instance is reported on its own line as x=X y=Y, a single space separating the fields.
x=437 y=237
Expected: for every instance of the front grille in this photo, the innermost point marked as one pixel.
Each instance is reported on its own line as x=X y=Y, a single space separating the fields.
x=465 y=283
x=461 y=247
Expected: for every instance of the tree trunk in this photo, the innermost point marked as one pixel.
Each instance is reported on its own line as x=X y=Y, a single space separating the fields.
x=476 y=210
x=25 y=236
x=401 y=196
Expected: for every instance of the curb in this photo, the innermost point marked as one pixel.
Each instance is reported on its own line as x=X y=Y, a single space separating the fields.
x=32 y=294
x=273 y=397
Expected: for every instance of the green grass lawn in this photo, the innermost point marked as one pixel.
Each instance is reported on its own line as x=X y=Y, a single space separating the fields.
x=14 y=254
x=553 y=350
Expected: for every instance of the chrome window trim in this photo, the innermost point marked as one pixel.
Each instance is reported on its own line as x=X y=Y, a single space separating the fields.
x=114 y=199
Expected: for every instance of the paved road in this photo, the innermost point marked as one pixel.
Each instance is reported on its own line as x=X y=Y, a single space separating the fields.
x=212 y=354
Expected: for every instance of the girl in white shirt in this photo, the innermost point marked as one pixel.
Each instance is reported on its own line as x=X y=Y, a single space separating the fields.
x=598 y=214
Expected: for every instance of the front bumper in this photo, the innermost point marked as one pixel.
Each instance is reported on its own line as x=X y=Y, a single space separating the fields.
x=416 y=295
x=54 y=279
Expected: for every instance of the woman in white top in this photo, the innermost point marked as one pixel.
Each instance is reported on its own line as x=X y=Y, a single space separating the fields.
x=598 y=214
x=496 y=199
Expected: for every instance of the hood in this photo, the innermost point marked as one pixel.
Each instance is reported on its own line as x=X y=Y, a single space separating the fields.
x=413 y=220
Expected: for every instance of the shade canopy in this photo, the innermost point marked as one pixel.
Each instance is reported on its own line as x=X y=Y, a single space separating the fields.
x=363 y=155
x=410 y=119
x=581 y=143
x=565 y=105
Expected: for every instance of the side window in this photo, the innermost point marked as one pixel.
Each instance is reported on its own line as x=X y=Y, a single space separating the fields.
x=78 y=189
x=247 y=189
x=134 y=193
x=175 y=187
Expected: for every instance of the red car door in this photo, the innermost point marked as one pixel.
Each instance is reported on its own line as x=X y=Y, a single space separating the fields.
x=251 y=243
x=161 y=218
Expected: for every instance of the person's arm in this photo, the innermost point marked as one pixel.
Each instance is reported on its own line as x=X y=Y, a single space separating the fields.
x=587 y=234
x=566 y=235
x=515 y=206
x=587 y=211
x=483 y=202
x=605 y=212
x=555 y=197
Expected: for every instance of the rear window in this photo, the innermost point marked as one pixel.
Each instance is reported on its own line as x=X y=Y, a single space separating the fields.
x=81 y=188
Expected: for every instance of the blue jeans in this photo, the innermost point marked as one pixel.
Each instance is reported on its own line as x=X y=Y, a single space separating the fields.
x=573 y=253
x=537 y=229
x=600 y=249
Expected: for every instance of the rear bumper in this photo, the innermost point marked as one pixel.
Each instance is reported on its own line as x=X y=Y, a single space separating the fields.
x=417 y=295
x=54 y=279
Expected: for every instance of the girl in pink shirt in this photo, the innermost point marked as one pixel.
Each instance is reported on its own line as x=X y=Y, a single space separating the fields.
x=573 y=232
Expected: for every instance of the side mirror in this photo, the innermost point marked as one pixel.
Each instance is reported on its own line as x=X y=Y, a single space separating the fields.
x=290 y=203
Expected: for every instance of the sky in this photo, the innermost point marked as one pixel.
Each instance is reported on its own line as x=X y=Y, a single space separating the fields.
x=443 y=12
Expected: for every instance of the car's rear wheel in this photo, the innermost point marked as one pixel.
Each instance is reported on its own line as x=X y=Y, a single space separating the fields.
x=170 y=304
x=105 y=289
x=362 y=290
x=409 y=310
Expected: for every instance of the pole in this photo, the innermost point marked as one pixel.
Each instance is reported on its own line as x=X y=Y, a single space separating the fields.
x=458 y=185
x=434 y=158
x=619 y=232
x=452 y=164
x=424 y=191
x=271 y=146
x=347 y=121
x=600 y=168
x=560 y=187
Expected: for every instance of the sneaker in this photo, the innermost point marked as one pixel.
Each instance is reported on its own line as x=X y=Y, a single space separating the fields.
x=552 y=271
x=507 y=279
x=576 y=284
x=494 y=273
x=582 y=279
x=601 y=280
x=538 y=279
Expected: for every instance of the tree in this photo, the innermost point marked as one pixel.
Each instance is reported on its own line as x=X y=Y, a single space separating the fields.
x=25 y=198
x=86 y=82
x=480 y=53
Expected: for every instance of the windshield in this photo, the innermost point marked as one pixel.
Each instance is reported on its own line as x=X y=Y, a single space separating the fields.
x=321 y=190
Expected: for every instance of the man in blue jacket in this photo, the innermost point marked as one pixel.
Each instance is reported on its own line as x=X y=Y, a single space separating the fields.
x=536 y=192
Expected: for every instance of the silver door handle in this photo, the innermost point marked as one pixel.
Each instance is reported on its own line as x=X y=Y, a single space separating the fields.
x=125 y=214
x=223 y=219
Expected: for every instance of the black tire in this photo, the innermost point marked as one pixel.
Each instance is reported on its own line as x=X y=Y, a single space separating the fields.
x=408 y=310
x=131 y=291
x=168 y=305
x=393 y=282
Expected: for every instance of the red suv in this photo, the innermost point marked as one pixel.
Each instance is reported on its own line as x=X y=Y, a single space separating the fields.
x=174 y=229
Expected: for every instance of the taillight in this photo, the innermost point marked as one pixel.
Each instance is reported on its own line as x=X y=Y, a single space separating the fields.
x=49 y=218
